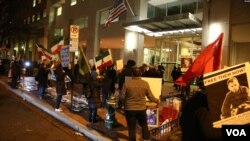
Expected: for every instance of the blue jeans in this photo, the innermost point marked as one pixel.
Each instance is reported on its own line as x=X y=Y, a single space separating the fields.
x=132 y=116
x=41 y=91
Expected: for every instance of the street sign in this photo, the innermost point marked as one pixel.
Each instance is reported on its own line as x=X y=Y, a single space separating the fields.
x=74 y=35
x=74 y=31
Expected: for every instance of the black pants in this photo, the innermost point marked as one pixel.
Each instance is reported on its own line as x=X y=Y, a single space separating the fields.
x=14 y=81
x=132 y=116
x=92 y=114
x=58 y=100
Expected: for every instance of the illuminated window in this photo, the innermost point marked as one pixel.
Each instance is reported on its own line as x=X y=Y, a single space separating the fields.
x=34 y=3
x=58 y=32
x=28 y=20
x=38 y=16
x=59 y=11
x=73 y=2
x=82 y=22
x=33 y=18
x=44 y=13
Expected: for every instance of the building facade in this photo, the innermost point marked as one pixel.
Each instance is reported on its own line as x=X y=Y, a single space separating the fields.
x=151 y=32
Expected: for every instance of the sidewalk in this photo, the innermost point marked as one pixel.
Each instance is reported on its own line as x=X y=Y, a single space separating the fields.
x=79 y=120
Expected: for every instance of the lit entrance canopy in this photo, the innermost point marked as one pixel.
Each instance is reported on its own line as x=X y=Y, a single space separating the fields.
x=168 y=25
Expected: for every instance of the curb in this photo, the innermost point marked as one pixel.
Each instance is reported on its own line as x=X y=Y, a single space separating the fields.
x=90 y=133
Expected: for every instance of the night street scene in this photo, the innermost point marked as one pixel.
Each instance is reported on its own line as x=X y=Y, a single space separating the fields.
x=124 y=70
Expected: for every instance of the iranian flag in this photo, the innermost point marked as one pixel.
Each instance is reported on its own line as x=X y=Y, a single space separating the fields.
x=103 y=60
x=57 y=45
x=42 y=52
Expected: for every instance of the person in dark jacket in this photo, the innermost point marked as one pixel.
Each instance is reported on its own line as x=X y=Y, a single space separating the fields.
x=106 y=86
x=195 y=121
x=42 y=78
x=93 y=97
x=176 y=73
x=60 y=85
x=126 y=71
x=15 y=71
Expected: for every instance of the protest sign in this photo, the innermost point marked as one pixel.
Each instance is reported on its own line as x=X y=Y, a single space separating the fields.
x=228 y=95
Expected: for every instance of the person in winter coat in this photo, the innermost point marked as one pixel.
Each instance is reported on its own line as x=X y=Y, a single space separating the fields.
x=60 y=85
x=93 y=97
x=195 y=122
x=42 y=78
x=15 y=71
x=133 y=96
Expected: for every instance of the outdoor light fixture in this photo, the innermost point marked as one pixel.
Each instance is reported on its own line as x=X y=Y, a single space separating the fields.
x=27 y=64
x=135 y=28
x=214 y=31
x=130 y=42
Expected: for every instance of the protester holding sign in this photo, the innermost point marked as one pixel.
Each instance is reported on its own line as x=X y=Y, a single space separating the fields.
x=133 y=96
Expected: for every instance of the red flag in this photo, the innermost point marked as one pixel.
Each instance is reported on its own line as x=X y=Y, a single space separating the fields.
x=208 y=61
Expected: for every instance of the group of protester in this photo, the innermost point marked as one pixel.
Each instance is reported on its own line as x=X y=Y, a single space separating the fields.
x=99 y=87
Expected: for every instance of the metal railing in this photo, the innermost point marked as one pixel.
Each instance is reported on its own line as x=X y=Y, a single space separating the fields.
x=163 y=131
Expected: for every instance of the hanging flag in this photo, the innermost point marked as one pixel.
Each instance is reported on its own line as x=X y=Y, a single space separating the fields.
x=118 y=9
x=83 y=63
x=42 y=52
x=103 y=60
x=57 y=45
x=208 y=61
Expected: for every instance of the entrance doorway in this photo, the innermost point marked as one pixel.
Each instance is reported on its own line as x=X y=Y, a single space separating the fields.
x=168 y=51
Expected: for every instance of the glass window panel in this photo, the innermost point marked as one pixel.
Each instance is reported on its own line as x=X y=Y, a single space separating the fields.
x=59 y=11
x=160 y=11
x=151 y=11
x=34 y=3
x=38 y=16
x=58 y=32
x=173 y=8
x=82 y=22
x=28 y=21
x=44 y=13
x=73 y=2
x=189 y=7
x=33 y=18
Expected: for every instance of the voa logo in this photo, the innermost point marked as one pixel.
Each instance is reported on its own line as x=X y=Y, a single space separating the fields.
x=236 y=132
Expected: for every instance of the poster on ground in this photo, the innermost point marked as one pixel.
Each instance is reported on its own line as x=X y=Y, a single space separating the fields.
x=228 y=95
x=152 y=116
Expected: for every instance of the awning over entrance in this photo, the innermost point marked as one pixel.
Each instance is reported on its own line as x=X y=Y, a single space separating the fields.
x=186 y=22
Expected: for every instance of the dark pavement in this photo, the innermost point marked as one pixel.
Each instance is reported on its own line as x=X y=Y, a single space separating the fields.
x=21 y=121
x=78 y=119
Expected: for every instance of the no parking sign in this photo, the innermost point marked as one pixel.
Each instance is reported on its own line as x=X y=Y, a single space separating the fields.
x=74 y=34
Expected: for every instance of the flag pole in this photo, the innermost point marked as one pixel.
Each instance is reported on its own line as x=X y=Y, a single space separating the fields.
x=130 y=8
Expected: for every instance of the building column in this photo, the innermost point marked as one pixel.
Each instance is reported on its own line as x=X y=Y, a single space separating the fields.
x=133 y=47
x=216 y=20
x=134 y=42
